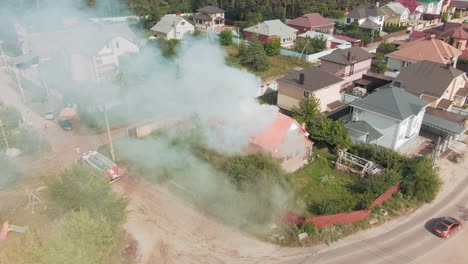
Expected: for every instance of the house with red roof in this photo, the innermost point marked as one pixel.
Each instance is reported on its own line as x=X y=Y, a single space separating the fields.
x=285 y=140
x=455 y=34
x=312 y=22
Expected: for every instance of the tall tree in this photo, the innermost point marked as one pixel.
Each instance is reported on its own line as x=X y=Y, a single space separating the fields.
x=253 y=56
x=308 y=110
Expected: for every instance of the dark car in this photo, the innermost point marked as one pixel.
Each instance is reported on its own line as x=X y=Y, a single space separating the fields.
x=65 y=123
x=446 y=226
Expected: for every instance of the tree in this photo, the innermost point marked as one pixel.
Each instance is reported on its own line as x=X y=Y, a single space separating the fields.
x=420 y=181
x=253 y=55
x=378 y=184
x=378 y=64
x=273 y=47
x=308 y=110
x=444 y=17
x=331 y=132
x=309 y=45
x=168 y=47
x=225 y=37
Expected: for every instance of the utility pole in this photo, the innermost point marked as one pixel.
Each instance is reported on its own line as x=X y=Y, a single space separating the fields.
x=436 y=152
x=4 y=135
x=14 y=71
x=238 y=39
x=109 y=135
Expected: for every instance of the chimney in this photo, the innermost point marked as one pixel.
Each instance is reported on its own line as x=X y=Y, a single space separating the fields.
x=349 y=56
x=447 y=66
x=301 y=78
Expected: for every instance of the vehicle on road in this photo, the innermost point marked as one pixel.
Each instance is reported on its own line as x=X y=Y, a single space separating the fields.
x=101 y=163
x=49 y=115
x=446 y=226
x=65 y=123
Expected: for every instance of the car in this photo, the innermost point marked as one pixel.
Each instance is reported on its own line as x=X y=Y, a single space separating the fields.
x=49 y=115
x=446 y=226
x=65 y=123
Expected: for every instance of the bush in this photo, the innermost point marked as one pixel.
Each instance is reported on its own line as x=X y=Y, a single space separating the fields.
x=309 y=45
x=377 y=185
x=420 y=181
x=309 y=228
x=387 y=158
x=333 y=133
x=273 y=47
x=253 y=55
x=83 y=188
x=225 y=37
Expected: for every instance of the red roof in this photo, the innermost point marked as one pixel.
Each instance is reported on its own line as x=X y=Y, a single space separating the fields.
x=272 y=138
x=417 y=34
x=311 y=20
x=349 y=39
x=410 y=4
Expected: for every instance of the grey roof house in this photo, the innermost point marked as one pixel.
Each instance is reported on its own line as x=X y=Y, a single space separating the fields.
x=272 y=29
x=390 y=117
x=209 y=17
x=368 y=17
x=172 y=27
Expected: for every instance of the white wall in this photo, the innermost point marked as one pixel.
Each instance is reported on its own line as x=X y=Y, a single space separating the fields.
x=386 y=126
x=328 y=95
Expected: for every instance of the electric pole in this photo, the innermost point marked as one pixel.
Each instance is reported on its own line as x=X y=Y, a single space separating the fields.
x=4 y=135
x=109 y=135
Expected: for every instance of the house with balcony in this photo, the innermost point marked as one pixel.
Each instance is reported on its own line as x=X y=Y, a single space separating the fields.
x=209 y=17
x=429 y=49
x=396 y=14
x=312 y=22
x=87 y=51
x=172 y=27
x=369 y=17
x=269 y=29
x=284 y=140
x=389 y=117
x=349 y=64
x=441 y=85
x=299 y=84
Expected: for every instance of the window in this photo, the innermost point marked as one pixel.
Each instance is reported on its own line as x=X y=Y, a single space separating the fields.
x=99 y=61
x=182 y=23
x=117 y=44
x=306 y=94
x=348 y=20
x=397 y=84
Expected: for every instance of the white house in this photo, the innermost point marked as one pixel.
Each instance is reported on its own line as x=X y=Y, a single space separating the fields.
x=368 y=17
x=396 y=13
x=432 y=6
x=88 y=51
x=172 y=27
x=209 y=17
x=390 y=117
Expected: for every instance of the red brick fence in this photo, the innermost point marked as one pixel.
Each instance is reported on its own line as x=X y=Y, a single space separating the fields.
x=343 y=218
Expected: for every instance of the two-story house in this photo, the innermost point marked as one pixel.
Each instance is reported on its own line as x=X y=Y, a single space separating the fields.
x=396 y=13
x=389 y=117
x=296 y=85
x=430 y=49
x=349 y=64
x=312 y=22
x=209 y=17
x=368 y=17
x=88 y=51
x=455 y=34
x=441 y=85
x=285 y=140
x=415 y=8
x=172 y=27
x=269 y=29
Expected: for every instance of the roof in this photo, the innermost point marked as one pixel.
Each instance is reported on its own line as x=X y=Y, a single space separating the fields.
x=363 y=11
x=335 y=105
x=444 y=104
x=364 y=128
x=410 y=4
x=450 y=29
x=443 y=124
x=349 y=39
x=202 y=16
x=459 y=4
x=340 y=56
x=314 y=79
x=311 y=20
x=449 y=116
x=426 y=77
x=460 y=33
x=417 y=34
x=167 y=23
x=396 y=7
x=284 y=129
x=210 y=10
x=462 y=92
x=392 y=102
x=271 y=28
x=369 y=24
x=77 y=39
x=426 y=49
x=315 y=34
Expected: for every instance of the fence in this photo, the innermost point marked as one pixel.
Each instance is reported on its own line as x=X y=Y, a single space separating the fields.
x=343 y=218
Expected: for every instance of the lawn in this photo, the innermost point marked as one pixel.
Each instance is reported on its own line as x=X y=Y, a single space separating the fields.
x=280 y=64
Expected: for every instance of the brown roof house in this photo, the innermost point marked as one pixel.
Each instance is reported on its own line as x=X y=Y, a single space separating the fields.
x=439 y=84
x=209 y=17
x=455 y=34
x=285 y=140
x=430 y=49
x=296 y=85
x=312 y=22
x=349 y=64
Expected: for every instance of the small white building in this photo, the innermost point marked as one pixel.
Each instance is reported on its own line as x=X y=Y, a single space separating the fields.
x=172 y=27
x=390 y=117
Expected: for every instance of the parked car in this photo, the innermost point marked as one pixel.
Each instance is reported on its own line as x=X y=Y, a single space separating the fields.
x=65 y=123
x=446 y=226
x=49 y=115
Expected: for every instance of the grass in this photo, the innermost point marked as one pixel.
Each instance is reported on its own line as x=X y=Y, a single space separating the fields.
x=280 y=64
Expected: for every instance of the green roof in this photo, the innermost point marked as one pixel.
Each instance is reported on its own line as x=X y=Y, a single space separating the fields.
x=392 y=102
